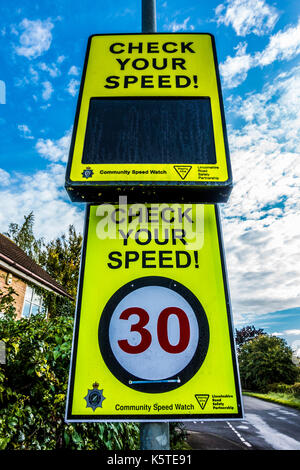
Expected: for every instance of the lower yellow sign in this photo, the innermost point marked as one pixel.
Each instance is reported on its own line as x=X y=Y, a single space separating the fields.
x=153 y=338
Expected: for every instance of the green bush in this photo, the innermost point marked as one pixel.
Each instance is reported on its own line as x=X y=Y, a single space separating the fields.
x=278 y=388
x=296 y=389
x=293 y=389
x=264 y=360
x=33 y=385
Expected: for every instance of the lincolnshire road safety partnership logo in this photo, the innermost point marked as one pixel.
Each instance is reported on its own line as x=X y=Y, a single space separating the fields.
x=202 y=399
x=183 y=170
x=94 y=398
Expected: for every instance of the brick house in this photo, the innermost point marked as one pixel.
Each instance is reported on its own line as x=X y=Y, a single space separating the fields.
x=19 y=271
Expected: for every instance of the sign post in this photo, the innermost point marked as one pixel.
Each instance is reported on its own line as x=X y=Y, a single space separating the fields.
x=153 y=339
x=149 y=16
x=152 y=435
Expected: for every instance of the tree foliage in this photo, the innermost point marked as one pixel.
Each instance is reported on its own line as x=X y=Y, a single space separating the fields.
x=24 y=237
x=59 y=257
x=247 y=333
x=265 y=360
x=33 y=385
x=33 y=381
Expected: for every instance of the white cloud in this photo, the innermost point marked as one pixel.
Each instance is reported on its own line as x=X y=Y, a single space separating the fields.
x=235 y=69
x=35 y=39
x=73 y=87
x=2 y=92
x=4 y=177
x=25 y=131
x=52 y=69
x=296 y=348
x=61 y=59
x=74 y=70
x=55 y=150
x=262 y=218
x=283 y=45
x=34 y=75
x=45 y=106
x=293 y=332
x=174 y=26
x=247 y=16
x=44 y=194
x=47 y=91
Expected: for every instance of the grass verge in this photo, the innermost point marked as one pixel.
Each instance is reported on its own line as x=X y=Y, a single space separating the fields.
x=280 y=398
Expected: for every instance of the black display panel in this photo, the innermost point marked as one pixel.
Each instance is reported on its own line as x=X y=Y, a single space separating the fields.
x=149 y=130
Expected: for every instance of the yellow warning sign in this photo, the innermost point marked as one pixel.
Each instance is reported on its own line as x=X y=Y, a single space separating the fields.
x=153 y=337
x=150 y=115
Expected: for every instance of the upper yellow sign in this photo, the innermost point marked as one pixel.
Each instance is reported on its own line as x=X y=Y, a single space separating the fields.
x=150 y=121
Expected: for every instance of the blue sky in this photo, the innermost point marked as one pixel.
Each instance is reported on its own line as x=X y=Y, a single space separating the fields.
x=42 y=46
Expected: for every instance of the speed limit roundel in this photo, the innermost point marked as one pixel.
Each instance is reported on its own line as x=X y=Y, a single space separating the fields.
x=153 y=334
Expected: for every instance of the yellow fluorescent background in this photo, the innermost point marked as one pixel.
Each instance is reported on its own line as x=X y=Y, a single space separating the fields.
x=217 y=376
x=199 y=67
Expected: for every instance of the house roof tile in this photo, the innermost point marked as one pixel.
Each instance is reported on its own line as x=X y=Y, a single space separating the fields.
x=14 y=256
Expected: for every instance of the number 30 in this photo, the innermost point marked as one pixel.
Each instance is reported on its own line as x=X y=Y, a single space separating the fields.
x=162 y=330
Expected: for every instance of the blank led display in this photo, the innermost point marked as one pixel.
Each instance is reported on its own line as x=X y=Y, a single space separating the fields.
x=149 y=130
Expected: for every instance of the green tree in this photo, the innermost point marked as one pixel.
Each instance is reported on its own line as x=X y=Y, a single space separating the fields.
x=247 y=333
x=33 y=385
x=7 y=302
x=61 y=259
x=24 y=237
x=265 y=360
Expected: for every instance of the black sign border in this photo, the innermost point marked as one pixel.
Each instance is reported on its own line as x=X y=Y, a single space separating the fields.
x=137 y=191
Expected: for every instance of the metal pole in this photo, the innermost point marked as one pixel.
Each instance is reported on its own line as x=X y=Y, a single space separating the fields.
x=153 y=436
x=149 y=16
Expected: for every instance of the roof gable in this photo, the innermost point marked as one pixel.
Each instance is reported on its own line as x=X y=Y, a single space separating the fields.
x=15 y=257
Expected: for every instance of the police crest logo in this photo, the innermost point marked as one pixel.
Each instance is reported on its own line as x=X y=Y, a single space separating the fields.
x=94 y=397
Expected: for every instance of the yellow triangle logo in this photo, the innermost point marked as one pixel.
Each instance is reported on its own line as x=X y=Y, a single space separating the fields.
x=202 y=400
x=182 y=170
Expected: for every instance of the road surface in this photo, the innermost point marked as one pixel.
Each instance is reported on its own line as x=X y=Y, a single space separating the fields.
x=266 y=426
